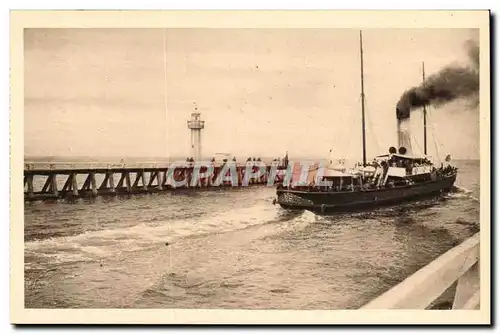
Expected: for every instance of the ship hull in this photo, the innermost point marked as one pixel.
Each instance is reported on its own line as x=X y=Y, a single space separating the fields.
x=349 y=201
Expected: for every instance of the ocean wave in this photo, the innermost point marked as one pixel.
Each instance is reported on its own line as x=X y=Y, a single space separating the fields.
x=97 y=244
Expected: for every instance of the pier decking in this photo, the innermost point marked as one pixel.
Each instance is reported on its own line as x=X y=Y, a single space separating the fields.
x=58 y=180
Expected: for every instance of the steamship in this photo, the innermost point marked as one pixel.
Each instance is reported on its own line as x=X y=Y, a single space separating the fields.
x=390 y=179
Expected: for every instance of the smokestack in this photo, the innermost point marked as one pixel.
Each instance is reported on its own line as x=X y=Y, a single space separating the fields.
x=404 y=141
x=449 y=84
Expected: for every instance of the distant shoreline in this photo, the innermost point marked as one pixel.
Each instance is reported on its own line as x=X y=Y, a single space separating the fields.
x=166 y=159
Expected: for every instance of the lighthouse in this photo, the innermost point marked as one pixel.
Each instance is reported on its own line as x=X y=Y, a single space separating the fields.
x=195 y=124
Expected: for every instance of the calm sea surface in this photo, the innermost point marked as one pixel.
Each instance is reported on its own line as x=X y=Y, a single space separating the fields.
x=232 y=249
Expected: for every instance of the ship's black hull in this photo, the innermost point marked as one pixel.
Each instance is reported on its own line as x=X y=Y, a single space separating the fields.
x=350 y=201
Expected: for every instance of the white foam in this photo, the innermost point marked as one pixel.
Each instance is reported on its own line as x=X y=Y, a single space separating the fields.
x=464 y=191
x=92 y=245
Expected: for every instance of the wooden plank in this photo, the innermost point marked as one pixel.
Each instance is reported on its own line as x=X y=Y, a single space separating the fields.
x=127 y=179
x=86 y=184
x=152 y=177
x=101 y=167
x=104 y=184
x=74 y=185
x=423 y=287
x=474 y=302
x=159 y=178
x=137 y=178
x=46 y=185
x=30 y=185
x=53 y=185
x=111 y=181
x=467 y=286
x=189 y=176
x=143 y=177
x=67 y=184
x=93 y=183
x=122 y=178
x=165 y=178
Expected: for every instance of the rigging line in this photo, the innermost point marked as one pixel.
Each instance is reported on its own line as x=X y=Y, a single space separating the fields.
x=431 y=122
x=431 y=126
x=335 y=138
x=437 y=141
x=412 y=136
x=349 y=143
x=418 y=145
x=415 y=139
x=370 y=125
x=352 y=125
x=333 y=155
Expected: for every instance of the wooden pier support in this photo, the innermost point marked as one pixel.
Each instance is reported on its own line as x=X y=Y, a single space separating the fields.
x=28 y=180
x=74 y=185
x=108 y=180
x=152 y=177
x=93 y=183
x=111 y=182
x=160 y=179
x=50 y=186
x=140 y=177
x=90 y=184
x=127 y=181
x=125 y=177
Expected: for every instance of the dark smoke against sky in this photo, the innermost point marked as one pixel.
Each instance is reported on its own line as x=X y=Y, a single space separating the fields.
x=449 y=84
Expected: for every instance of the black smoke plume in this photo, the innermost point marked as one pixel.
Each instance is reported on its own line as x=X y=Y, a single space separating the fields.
x=450 y=83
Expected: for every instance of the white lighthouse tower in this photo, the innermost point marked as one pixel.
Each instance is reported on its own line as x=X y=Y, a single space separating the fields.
x=196 y=125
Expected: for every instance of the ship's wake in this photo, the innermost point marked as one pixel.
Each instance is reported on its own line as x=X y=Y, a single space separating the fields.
x=462 y=192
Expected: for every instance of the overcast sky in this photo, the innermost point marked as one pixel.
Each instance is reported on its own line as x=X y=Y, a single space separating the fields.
x=101 y=92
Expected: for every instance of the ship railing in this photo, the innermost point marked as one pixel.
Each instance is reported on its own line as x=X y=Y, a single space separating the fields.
x=459 y=265
x=34 y=166
x=91 y=165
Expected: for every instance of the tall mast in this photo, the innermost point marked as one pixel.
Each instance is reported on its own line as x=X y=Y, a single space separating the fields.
x=425 y=113
x=362 y=98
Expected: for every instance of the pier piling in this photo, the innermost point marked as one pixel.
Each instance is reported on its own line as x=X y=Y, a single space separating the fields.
x=147 y=178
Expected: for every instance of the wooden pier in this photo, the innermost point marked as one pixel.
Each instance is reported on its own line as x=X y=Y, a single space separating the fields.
x=457 y=269
x=43 y=181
